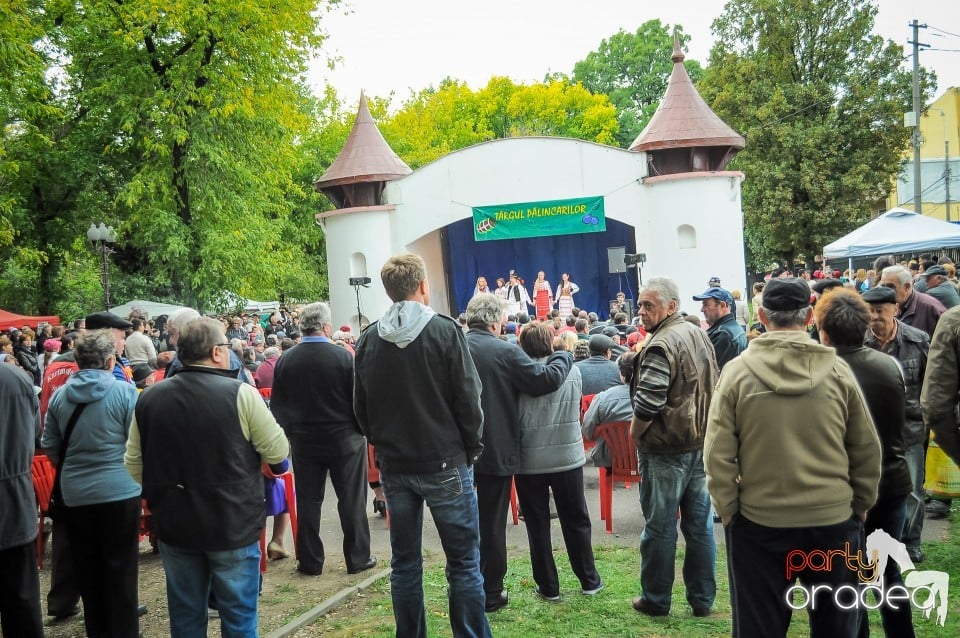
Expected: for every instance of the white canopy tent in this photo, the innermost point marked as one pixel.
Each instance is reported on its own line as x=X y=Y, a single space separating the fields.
x=895 y=231
x=152 y=309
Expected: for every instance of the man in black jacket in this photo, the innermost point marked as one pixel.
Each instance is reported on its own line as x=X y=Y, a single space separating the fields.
x=417 y=398
x=506 y=372
x=842 y=317
x=909 y=346
x=312 y=399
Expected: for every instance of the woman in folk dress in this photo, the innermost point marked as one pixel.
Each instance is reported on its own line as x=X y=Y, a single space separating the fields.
x=565 y=292
x=542 y=296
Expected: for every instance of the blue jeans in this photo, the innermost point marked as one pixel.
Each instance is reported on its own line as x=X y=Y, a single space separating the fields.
x=234 y=576
x=452 y=500
x=672 y=481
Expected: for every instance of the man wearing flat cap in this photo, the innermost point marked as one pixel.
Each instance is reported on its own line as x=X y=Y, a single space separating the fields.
x=117 y=327
x=598 y=371
x=909 y=346
x=793 y=462
x=726 y=335
x=941 y=288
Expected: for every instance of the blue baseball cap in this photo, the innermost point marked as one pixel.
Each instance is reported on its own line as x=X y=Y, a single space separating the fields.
x=715 y=293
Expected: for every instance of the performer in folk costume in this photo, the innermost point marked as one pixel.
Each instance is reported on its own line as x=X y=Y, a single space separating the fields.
x=542 y=296
x=565 y=292
x=501 y=290
x=481 y=286
x=517 y=296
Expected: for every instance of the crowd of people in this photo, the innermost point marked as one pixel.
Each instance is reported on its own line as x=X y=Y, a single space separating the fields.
x=801 y=426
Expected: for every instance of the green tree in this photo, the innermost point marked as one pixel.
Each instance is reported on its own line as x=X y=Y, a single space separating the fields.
x=435 y=122
x=633 y=69
x=182 y=124
x=820 y=100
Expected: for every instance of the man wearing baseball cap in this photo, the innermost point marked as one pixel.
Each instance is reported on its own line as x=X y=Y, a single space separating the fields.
x=726 y=335
x=941 y=288
x=793 y=461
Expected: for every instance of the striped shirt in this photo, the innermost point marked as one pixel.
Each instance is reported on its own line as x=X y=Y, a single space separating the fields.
x=652 y=383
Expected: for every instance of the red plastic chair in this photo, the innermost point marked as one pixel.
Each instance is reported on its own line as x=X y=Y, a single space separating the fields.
x=266 y=393
x=585 y=402
x=43 y=473
x=625 y=465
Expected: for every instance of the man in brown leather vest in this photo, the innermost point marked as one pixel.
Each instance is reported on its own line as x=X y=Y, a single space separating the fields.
x=672 y=386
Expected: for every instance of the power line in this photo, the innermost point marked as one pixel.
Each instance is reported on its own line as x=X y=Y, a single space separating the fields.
x=943 y=31
x=947 y=50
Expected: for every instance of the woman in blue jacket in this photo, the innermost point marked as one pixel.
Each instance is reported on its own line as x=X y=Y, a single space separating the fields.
x=102 y=513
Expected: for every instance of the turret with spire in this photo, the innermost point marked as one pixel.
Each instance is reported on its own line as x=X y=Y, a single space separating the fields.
x=685 y=135
x=365 y=164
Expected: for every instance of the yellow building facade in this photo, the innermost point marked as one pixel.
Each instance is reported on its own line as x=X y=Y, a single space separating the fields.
x=938 y=124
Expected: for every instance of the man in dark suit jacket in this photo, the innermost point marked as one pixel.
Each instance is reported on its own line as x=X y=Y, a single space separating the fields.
x=506 y=372
x=312 y=400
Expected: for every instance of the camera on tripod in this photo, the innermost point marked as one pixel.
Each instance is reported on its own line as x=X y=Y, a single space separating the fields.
x=359 y=281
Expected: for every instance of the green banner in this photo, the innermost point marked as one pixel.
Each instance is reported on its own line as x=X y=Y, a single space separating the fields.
x=539 y=219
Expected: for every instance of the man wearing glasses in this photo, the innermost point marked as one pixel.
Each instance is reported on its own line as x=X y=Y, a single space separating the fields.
x=196 y=444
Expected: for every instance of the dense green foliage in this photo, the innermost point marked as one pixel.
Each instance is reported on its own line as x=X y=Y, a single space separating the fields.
x=633 y=69
x=435 y=122
x=820 y=100
x=179 y=123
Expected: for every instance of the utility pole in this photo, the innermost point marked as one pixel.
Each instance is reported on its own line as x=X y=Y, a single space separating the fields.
x=946 y=173
x=917 y=187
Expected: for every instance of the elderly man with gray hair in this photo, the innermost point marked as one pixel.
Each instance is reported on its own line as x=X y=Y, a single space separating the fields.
x=312 y=399
x=506 y=372
x=917 y=309
x=673 y=382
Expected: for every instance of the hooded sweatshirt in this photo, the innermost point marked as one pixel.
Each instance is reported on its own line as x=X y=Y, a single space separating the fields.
x=417 y=391
x=790 y=441
x=404 y=322
x=93 y=470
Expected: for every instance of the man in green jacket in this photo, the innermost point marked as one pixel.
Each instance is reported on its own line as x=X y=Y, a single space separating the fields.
x=793 y=463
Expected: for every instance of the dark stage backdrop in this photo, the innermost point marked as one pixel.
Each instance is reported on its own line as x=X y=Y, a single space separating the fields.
x=583 y=256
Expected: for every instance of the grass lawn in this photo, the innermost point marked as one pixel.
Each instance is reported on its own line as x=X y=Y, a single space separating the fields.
x=607 y=614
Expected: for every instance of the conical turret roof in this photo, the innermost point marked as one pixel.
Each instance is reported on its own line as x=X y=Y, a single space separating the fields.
x=365 y=157
x=683 y=119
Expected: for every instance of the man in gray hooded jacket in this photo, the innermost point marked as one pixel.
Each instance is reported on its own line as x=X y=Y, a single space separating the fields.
x=417 y=399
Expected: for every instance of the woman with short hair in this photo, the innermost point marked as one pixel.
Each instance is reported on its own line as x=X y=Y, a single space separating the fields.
x=552 y=458
x=101 y=501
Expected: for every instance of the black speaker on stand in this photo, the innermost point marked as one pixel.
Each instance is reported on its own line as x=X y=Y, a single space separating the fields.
x=615 y=257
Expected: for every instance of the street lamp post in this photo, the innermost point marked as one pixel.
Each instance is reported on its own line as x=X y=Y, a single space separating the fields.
x=103 y=238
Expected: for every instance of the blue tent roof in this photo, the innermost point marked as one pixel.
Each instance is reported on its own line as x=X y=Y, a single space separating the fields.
x=896 y=231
